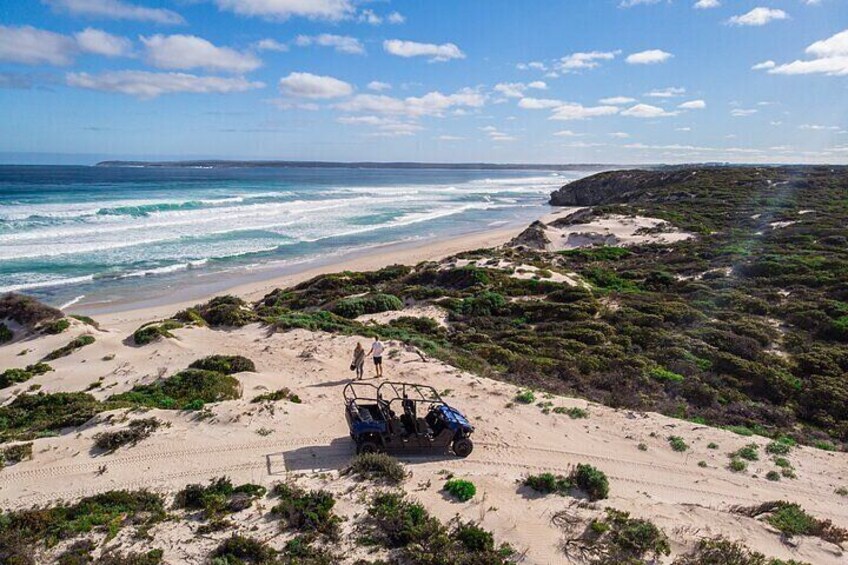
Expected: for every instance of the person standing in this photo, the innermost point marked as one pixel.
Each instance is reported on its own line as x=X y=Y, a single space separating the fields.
x=358 y=363
x=377 y=352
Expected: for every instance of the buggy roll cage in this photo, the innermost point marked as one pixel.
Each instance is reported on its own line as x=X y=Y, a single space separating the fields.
x=398 y=391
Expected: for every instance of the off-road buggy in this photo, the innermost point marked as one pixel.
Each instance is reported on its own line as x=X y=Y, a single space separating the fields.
x=404 y=417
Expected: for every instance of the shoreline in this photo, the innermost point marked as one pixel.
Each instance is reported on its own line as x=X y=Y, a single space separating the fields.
x=128 y=313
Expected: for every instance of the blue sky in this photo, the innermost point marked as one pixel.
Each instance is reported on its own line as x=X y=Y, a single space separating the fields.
x=535 y=81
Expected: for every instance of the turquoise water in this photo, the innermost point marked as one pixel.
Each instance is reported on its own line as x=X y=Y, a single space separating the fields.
x=72 y=232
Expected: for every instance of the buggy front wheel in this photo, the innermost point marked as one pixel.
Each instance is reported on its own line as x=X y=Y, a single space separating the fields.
x=463 y=447
x=367 y=446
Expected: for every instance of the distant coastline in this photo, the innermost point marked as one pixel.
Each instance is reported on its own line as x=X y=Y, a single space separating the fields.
x=223 y=164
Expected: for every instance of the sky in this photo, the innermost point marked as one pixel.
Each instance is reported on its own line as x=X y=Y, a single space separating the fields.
x=506 y=81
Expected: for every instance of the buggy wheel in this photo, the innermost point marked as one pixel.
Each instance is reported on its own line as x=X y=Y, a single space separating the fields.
x=463 y=447
x=367 y=446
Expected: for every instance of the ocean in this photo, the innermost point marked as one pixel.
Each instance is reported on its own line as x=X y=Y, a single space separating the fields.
x=72 y=234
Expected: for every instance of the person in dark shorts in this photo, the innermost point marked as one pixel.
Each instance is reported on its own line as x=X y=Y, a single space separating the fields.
x=377 y=352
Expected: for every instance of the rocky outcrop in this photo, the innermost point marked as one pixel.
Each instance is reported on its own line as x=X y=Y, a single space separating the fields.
x=534 y=237
x=616 y=187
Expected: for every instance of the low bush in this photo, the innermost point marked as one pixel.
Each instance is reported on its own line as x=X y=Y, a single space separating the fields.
x=664 y=375
x=15 y=454
x=574 y=412
x=369 y=304
x=149 y=333
x=115 y=557
x=277 y=395
x=5 y=333
x=227 y=364
x=188 y=390
x=792 y=520
x=379 y=467
x=548 y=483
x=87 y=320
x=136 y=431
x=748 y=453
x=241 y=550
x=460 y=489
x=219 y=497
x=55 y=326
x=737 y=465
x=226 y=311
x=525 y=397
x=25 y=310
x=74 y=345
x=618 y=538
x=109 y=511
x=34 y=415
x=10 y=377
x=677 y=443
x=591 y=481
x=720 y=551
x=304 y=511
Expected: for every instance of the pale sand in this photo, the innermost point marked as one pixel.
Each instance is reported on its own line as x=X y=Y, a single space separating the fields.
x=670 y=488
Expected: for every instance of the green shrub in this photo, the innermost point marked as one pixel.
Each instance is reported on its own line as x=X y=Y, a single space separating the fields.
x=369 y=304
x=274 y=396
x=664 y=375
x=241 y=550
x=74 y=345
x=188 y=390
x=15 y=453
x=748 y=453
x=87 y=320
x=548 y=483
x=486 y=303
x=792 y=520
x=591 y=481
x=677 y=443
x=737 y=465
x=10 y=377
x=5 y=333
x=34 y=415
x=25 y=310
x=304 y=511
x=622 y=539
x=149 y=333
x=460 y=489
x=219 y=497
x=778 y=448
x=773 y=476
x=108 y=511
x=227 y=364
x=525 y=397
x=136 y=431
x=226 y=311
x=574 y=412
x=720 y=551
x=115 y=557
x=378 y=466
x=712 y=445
x=55 y=326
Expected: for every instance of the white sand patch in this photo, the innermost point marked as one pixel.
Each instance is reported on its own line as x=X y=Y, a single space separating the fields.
x=518 y=271
x=435 y=313
x=615 y=230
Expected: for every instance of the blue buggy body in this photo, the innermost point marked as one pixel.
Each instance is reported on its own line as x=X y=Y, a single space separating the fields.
x=404 y=417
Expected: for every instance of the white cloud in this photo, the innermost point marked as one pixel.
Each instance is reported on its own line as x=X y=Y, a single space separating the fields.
x=450 y=138
x=817 y=127
x=538 y=103
x=617 y=100
x=669 y=92
x=631 y=3
x=395 y=18
x=431 y=104
x=341 y=43
x=497 y=135
x=572 y=111
x=307 y=85
x=117 y=10
x=385 y=127
x=764 y=65
x=378 y=86
x=619 y=135
x=99 y=42
x=647 y=111
x=567 y=133
x=693 y=105
x=270 y=45
x=588 y=60
x=517 y=89
x=706 y=4
x=147 y=85
x=830 y=57
x=332 y=10
x=532 y=65
x=183 y=52
x=683 y=129
x=759 y=16
x=742 y=112
x=649 y=57
x=443 y=52
x=31 y=46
